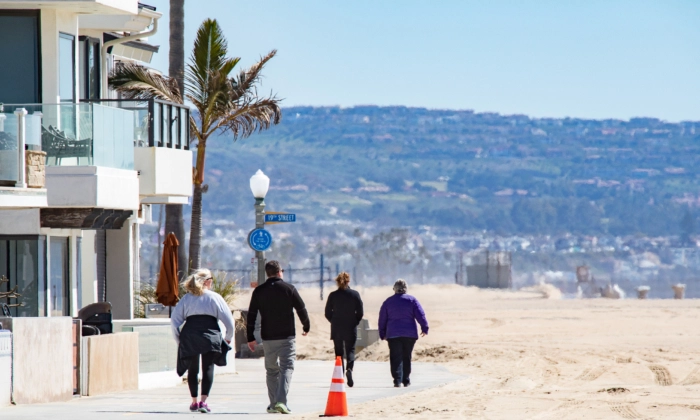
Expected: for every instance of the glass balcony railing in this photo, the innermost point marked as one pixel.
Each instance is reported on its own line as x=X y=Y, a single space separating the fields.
x=79 y=134
x=98 y=133
x=9 y=155
x=158 y=123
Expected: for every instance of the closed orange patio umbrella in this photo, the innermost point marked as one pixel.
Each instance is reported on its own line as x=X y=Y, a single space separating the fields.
x=167 y=288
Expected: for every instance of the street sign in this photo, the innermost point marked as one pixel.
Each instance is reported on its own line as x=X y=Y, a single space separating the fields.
x=274 y=217
x=259 y=239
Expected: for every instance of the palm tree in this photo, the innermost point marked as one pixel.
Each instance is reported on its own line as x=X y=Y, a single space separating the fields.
x=174 y=221
x=224 y=103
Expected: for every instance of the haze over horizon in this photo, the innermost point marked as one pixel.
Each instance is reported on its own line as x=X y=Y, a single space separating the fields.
x=594 y=59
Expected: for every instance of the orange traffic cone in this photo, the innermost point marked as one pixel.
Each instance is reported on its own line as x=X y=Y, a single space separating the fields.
x=337 y=405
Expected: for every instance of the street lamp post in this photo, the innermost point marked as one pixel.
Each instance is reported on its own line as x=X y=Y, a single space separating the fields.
x=259 y=184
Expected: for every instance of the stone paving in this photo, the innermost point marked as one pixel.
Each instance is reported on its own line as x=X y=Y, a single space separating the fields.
x=242 y=394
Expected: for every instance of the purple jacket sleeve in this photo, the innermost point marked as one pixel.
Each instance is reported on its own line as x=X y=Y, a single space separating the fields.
x=419 y=315
x=383 y=318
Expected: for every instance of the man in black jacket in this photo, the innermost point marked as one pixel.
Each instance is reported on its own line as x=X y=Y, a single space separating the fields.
x=276 y=301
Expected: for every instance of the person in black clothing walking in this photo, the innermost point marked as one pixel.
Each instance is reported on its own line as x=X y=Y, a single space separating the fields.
x=344 y=311
x=276 y=301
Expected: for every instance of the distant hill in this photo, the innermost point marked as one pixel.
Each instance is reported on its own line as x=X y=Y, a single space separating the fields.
x=510 y=174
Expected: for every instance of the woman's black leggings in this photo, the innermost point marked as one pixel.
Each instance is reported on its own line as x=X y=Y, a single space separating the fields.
x=207 y=373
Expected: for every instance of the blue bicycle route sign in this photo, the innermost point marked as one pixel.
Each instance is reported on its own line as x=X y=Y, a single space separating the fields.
x=259 y=239
x=280 y=217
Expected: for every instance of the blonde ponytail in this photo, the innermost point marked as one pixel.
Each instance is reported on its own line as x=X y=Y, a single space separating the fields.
x=195 y=283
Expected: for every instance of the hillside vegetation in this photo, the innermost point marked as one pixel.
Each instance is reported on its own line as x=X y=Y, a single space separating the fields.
x=509 y=174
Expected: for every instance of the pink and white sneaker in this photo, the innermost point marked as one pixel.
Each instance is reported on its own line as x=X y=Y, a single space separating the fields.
x=204 y=408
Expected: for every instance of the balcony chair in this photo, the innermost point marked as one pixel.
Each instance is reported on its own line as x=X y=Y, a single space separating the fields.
x=58 y=145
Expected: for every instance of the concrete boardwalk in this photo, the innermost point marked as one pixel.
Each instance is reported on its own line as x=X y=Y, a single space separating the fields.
x=242 y=394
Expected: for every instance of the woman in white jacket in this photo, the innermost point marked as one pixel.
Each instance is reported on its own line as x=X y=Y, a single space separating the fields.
x=200 y=310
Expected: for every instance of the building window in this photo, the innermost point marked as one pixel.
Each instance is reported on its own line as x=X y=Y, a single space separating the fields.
x=19 y=57
x=59 y=280
x=89 y=68
x=66 y=67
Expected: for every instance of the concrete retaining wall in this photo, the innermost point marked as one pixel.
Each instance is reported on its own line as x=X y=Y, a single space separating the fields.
x=42 y=362
x=110 y=363
x=5 y=368
x=158 y=352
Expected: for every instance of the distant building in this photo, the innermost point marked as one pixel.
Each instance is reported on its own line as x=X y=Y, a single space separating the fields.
x=490 y=269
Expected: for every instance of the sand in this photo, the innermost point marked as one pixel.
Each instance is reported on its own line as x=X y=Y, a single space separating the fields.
x=524 y=355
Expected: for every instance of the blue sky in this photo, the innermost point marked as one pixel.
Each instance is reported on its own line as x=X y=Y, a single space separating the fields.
x=589 y=59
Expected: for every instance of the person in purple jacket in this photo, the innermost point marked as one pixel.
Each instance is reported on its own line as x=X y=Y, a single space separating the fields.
x=397 y=324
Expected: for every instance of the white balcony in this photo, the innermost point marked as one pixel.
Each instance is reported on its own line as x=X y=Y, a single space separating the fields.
x=161 y=154
x=165 y=175
x=113 y=154
x=92 y=186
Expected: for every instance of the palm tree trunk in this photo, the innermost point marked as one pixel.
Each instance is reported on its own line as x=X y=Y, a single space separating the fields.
x=174 y=221
x=196 y=222
x=196 y=228
x=176 y=56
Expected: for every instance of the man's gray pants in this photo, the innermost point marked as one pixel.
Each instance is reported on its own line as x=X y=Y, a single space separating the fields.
x=279 y=375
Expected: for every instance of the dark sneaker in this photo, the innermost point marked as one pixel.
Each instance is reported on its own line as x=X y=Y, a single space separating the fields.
x=282 y=408
x=407 y=383
x=204 y=408
x=397 y=384
x=194 y=407
x=348 y=374
x=272 y=410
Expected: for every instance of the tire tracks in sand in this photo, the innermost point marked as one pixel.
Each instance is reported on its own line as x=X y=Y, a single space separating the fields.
x=593 y=373
x=693 y=377
x=661 y=375
x=626 y=411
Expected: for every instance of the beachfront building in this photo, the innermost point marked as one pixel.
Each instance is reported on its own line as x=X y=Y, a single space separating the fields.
x=79 y=168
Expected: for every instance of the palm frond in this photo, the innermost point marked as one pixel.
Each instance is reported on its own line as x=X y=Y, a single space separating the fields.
x=253 y=115
x=208 y=58
x=246 y=80
x=134 y=81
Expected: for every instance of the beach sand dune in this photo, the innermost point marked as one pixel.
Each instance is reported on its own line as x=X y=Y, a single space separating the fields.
x=528 y=357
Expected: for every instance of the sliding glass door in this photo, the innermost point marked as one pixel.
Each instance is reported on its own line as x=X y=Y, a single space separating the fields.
x=22 y=266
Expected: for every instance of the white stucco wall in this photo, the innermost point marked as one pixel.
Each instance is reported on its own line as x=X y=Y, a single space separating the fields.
x=92 y=186
x=11 y=197
x=20 y=222
x=89 y=269
x=163 y=171
x=120 y=292
x=54 y=21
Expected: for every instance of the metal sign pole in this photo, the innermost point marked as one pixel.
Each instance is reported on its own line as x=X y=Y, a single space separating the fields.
x=260 y=224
